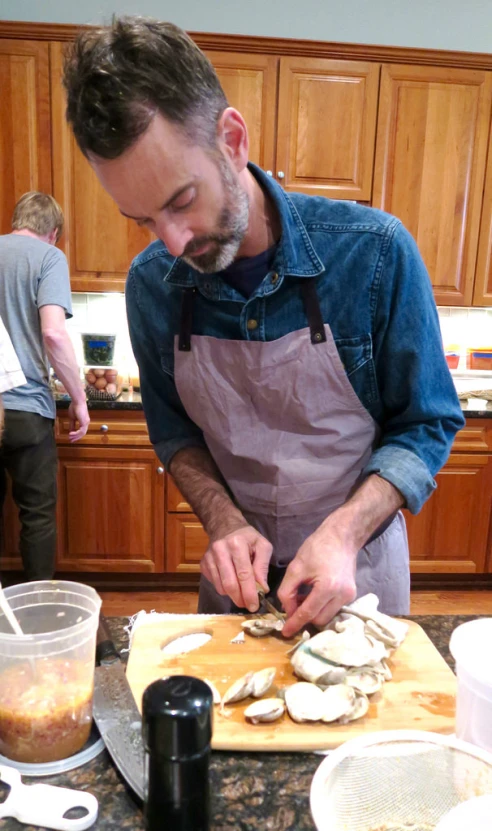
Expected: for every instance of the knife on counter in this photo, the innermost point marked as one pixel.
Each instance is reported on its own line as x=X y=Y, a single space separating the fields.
x=116 y=713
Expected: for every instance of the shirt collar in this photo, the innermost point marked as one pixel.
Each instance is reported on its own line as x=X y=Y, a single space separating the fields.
x=295 y=250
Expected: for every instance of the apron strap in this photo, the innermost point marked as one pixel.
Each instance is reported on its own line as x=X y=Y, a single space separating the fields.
x=312 y=309
x=186 y=324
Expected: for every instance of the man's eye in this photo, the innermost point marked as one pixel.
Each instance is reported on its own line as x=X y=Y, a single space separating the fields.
x=184 y=200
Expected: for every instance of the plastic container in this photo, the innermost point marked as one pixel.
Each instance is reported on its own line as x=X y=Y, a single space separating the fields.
x=470 y=648
x=452 y=359
x=47 y=676
x=98 y=349
x=102 y=383
x=479 y=358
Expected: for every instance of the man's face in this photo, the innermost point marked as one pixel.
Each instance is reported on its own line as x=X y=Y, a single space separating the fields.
x=190 y=198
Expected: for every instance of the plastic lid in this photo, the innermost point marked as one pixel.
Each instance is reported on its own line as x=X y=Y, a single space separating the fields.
x=92 y=748
x=470 y=647
x=177 y=717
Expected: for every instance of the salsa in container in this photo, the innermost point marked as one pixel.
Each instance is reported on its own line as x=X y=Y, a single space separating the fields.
x=98 y=349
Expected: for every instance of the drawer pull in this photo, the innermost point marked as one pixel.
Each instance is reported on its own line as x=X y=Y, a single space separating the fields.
x=104 y=428
x=160 y=470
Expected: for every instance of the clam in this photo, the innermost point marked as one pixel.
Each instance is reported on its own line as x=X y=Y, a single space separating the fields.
x=265 y=710
x=262 y=681
x=364 y=679
x=338 y=701
x=260 y=627
x=384 y=627
x=215 y=693
x=344 y=648
x=359 y=708
x=238 y=691
x=304 y=702
x=315 y=669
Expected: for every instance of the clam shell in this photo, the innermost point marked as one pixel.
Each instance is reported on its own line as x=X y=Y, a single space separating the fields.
x=359 y=708
x=260 y=627
x=215 y=693
x=315 y=669
x=304 y=702
x=344 y=648
x=240 y=689
x=366 y=680
x=265 y=710
x=262 y=681
x=338 y=701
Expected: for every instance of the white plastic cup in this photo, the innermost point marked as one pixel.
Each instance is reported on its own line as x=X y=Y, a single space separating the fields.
x=470 y=647
x=47 y=674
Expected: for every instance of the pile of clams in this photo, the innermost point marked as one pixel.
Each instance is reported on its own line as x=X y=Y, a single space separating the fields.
x=340 y=667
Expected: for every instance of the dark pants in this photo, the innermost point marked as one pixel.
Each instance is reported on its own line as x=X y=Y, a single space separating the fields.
x=28 y=454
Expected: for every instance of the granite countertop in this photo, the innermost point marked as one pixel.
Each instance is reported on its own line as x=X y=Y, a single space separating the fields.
x=249 y=790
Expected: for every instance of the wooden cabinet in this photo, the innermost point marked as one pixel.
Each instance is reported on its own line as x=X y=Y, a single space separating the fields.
x=25 y=131
x=433 y=129
x=9 y=535
x=249 y=82
x=482 y=295
x=111 y=510
x=186 y=540
x=326 y=126
x=100 y=243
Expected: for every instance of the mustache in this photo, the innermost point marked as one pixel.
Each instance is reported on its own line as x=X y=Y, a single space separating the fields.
x=195 y=244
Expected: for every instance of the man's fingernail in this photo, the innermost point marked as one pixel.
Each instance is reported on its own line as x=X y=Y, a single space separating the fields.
x=253 y=607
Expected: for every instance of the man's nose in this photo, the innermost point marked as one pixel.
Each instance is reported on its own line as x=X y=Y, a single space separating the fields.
x=175 y=238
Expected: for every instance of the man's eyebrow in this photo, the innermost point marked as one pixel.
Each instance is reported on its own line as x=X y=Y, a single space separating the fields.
x=163 y=207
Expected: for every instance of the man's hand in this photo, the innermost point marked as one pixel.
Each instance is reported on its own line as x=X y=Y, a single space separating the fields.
x=78 y=414
x=235 y=562
x=326 y=562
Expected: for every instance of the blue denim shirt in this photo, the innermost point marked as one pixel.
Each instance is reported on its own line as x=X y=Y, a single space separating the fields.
x=374 y=293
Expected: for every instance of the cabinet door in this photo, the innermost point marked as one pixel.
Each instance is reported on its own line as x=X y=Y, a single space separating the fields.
x=9 y=536
x=250 y=85
x=482 y=295
x=25 y=132
x=186 y=543
x=111 y=510
x=99 y=242
x=433 y=129
x=326 y=126
x=450 y=533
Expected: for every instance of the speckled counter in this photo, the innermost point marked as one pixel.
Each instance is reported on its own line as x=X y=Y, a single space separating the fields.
x=126 y=401
x=268 y=791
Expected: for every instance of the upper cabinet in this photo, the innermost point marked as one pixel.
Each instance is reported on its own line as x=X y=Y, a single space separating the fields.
x=99 y=243
x=483 y=281
x=431 y=148
x=25 y=132
x=250 y=85
x=326 y=127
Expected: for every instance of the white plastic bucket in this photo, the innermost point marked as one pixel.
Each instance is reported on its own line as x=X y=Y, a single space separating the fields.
x=471 y=648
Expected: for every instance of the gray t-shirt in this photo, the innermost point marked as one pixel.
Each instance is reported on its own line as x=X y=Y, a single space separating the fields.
x=32 y=274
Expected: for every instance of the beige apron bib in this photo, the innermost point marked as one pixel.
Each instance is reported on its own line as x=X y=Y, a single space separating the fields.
x=290 y=437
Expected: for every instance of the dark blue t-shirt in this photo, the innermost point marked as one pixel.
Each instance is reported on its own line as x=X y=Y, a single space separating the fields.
x=246 y=274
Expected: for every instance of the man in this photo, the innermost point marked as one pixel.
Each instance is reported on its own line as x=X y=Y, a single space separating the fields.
x=11 y=374
x=35 y=299
x=291 y=366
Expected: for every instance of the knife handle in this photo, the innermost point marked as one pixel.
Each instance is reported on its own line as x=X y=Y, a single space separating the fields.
x=105 y=649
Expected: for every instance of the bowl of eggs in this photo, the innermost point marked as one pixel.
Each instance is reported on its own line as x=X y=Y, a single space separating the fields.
x=102 y=383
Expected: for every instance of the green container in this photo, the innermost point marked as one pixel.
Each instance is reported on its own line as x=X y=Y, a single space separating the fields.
x=98 y=349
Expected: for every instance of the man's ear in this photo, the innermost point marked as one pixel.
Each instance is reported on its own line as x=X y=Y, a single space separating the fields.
x=53 y=237
x=232 y=136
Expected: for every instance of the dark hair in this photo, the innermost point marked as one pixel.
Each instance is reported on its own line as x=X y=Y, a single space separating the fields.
x=118 y=77
x=39 y=213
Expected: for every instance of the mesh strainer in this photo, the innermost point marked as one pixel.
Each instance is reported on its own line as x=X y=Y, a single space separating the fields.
x=401 y=780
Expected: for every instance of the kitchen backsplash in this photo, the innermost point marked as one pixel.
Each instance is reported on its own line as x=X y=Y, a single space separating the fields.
x=106 y=314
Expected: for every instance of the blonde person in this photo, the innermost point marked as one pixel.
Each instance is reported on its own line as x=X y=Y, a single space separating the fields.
x=35 y=300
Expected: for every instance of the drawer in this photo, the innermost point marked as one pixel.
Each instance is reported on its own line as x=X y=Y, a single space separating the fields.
x=117 y=427
x=475 y=436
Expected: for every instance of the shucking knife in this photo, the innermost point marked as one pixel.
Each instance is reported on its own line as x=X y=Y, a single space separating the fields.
x=266 y=604
x=116 y=713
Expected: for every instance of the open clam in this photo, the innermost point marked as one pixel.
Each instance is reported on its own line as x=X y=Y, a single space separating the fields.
x=260 y=627
x=265 y=710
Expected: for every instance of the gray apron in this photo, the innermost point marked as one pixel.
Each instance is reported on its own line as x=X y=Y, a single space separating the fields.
x=291 y=438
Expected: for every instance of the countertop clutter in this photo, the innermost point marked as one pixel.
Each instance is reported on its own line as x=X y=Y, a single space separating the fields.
x=249 y=790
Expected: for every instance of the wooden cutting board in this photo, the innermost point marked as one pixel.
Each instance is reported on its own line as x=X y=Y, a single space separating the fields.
x=421 y=695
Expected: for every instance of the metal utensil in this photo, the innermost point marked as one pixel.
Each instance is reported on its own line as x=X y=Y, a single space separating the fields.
x=115 y=712
x=266 y=603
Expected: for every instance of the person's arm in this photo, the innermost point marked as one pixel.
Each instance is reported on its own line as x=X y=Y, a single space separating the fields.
x=61 y=356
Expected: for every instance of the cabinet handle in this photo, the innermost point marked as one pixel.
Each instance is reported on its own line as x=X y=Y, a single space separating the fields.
x=269 y=172
x=281 y=174
x=104 y=428
x=160 y=470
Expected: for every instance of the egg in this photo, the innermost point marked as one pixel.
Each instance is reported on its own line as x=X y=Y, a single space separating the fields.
x=110 y=375
x=90 y=377
x=111 y=389
x=99 y=373
x=101 y=384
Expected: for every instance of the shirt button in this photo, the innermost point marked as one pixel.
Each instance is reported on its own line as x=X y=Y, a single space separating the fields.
x=274 y=277
x=252 y=324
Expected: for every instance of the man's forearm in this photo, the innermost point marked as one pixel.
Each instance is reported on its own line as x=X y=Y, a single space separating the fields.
x=372 y=503
x=62 y=358
x=200 y=481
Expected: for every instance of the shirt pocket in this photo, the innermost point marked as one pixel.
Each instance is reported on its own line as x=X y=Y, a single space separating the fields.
x=167 y=361
x=357 y=359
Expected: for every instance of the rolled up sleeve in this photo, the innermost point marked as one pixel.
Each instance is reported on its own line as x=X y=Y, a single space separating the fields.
x=170 y=428
x=421 y=413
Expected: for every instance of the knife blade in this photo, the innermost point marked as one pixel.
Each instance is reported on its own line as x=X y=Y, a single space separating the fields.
x=116 y=713
x=265 y=602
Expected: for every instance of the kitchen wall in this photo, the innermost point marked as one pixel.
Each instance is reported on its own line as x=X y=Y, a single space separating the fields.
x=438 y=24
x=105 y=314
